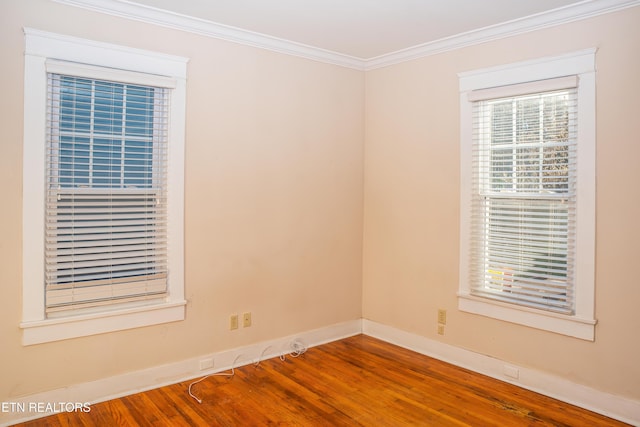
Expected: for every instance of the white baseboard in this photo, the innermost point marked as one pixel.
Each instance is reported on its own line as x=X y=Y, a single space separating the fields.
x=617 y=407
x=24 y=408
x=612 y=406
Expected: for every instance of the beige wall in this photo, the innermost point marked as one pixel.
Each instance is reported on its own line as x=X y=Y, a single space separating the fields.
x=411 y=228
x=274 y=183
x=274 y=202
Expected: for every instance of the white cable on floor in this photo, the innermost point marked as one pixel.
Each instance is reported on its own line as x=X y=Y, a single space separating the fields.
x=297 y=350
x=220 y=374
x=262 y=355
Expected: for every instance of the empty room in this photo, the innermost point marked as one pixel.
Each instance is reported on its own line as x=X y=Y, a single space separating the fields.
x=312 y=212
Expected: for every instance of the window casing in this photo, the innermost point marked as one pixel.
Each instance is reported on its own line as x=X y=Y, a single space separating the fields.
x=528 y=193
x=103 y=177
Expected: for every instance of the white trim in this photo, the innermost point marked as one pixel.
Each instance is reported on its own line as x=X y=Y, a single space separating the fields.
x=548 y=67
x=41 y=46
x=172 y=373
x=572 y=326
x=112 y=74
x=618 y=407
x=563 y=15
x=151 y=15
x=36 y=332
x=40 y=43
x=33 y=189
x=546 y=85
x=581 y=64
x=164 y=18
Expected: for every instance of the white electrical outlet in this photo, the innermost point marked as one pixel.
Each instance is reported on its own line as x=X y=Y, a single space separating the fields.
x=206 y=364
x=511 y=371
x=246 y=320
x=233 y=322
x=442 y=316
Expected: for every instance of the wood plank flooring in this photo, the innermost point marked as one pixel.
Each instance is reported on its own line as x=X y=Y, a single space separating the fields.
x=358 y=381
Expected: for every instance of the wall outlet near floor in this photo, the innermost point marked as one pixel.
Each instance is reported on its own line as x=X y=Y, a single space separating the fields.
x=442 y=316
x=206 y=364
x=246 y=320
x=233 y=322
x=440 y=329
x=511 y=371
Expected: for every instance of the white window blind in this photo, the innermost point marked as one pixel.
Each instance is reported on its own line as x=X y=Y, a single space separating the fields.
x=523 y=213
x=106 y=193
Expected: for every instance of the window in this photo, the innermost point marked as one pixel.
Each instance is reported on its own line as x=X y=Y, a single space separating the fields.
x=105 y=236
x=528 y=168
x=110 y=196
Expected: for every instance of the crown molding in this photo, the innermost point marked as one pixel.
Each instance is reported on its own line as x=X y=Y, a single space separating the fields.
x=563 y=15
x=151 y=15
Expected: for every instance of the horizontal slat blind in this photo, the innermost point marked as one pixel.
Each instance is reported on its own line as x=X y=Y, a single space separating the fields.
x=106 y=206
x=523 y=208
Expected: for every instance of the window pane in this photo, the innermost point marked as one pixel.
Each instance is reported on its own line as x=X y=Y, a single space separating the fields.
x=528 y=140
x=527 y=248
x=527 y=120
x=106 y=134
x=556 y=139
x=139 y=111
x=73 y=165
x=138 y=163
x=107 y=161
x=75 y=104
x=108 y=108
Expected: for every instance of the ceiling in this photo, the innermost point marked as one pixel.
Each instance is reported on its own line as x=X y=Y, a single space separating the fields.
x=362 y=29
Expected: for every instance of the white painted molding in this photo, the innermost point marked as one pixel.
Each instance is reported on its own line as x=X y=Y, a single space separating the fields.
x=164 y=18
x=40 y=47
x=159 y=376
x=563 y=15
x=45 y=44
x=151 y=15
x=580 y=64
x=617 y=407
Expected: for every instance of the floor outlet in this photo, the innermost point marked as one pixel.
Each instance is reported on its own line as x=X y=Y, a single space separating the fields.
x=511 y=371
x=206 y=364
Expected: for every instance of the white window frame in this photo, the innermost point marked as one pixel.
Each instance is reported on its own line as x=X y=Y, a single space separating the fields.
x=581 y=324
x=41 y=46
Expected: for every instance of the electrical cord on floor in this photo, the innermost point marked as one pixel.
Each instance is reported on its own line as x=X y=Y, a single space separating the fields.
x=218 y=374
x=297 y=350
x=261 y=356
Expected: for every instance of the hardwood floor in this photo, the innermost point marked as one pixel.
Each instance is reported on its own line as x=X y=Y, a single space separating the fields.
x=358 y=381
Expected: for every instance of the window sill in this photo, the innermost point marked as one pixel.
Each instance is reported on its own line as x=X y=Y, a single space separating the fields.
x=48 y=330
x=572 y=326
